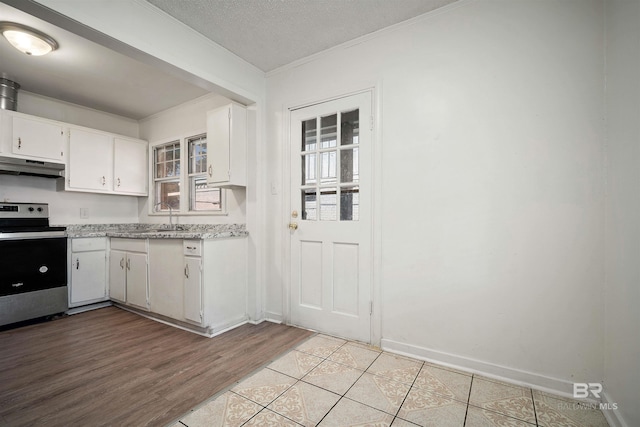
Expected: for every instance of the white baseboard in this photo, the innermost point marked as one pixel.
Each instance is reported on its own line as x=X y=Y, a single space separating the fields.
x=502 y=373
x=613 y=417
x=273 y=317
x=89 y=307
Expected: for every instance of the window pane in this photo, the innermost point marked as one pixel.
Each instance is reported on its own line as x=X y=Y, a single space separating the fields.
x=328 y=131
x=309 y=205
x=349 y=203
x=167 y=160
x=204 y=198
x=328 y=167
x=349 y=165
x=349 y=127
x=328 y=202
x=309 y=135
x=167 y=194
x=197 y=154
x=309 y=169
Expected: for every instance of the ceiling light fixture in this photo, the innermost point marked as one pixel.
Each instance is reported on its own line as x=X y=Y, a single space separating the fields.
x=27 y=39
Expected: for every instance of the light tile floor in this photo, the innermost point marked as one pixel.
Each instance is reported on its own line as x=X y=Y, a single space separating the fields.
x=328 y=381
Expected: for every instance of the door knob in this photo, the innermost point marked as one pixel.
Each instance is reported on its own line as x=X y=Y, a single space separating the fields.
x=293 y=226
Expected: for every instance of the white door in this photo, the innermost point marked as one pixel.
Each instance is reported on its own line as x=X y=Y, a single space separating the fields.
x=90 y=160
x=130 y=166
x=137 y=280
x=193 y=289
x=88 y=276
x=38 y=138
x=118 y=275
x=330 y=218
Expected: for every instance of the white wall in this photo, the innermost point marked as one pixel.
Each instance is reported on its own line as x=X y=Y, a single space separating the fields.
x=492 y=183
x=622 y=290
x=42 y=106
x=189 y=119
x=64 y=206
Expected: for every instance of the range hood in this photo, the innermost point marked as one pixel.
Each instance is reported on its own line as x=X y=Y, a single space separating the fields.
x=13 y=166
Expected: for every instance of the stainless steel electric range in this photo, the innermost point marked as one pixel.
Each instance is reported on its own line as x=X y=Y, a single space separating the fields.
x=33 y=263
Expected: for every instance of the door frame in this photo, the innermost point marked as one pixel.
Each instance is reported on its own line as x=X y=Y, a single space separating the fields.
x=376 y=205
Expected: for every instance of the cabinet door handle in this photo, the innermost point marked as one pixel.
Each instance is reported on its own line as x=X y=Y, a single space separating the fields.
x=122 y=263
x=191 y=248
x=210 y=171
x=104 y=180
x=19 y=143
x=128 y=263
x=77 y=263
x=118 y=182
x=186 y=271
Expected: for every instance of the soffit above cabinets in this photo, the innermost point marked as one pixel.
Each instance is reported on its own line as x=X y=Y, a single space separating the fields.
x=273 y=33
x=85 y=73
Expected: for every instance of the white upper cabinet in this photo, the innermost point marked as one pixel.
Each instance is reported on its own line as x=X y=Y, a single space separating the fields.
x=90 y=161
x=130 y=166
x=106 y=163
x=30 y=137
x=227 y=146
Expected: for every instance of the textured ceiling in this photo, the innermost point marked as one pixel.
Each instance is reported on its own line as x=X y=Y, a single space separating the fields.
x=273 y=33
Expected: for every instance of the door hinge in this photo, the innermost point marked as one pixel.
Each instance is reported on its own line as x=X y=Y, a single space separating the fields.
x=370 y=307
x=370 y=122
x=229 y=113
x=201 y=315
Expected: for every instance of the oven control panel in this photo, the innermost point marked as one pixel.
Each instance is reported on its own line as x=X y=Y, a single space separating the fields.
x=24 y=210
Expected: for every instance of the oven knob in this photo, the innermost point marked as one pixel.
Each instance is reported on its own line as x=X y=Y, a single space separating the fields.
x=30 y=208
x=39 y=209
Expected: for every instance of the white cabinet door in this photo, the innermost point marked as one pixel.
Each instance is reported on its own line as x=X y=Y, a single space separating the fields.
x=118 y=275
x=130 y=166
x=165 y=277
x=193 y=289
x=90 y=160
x=88 y=276
x=137 y=280
x=227 y=146
x=38 y=138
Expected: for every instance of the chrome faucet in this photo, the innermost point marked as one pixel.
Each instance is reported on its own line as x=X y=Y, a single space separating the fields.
x=171 y=227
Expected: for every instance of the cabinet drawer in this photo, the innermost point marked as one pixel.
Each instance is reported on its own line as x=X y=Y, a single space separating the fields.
x=130 y=245
x=85 y=244
x=192 y=247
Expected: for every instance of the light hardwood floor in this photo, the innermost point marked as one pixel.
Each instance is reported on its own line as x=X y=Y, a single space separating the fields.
x=112 y=367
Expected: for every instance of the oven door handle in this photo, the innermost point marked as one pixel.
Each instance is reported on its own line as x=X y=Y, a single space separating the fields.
x=32 y=235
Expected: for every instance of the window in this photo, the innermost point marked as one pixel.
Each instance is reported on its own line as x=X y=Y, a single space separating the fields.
x=330 y=169
x=201 y=197
x=167 y=176
x=183 y=192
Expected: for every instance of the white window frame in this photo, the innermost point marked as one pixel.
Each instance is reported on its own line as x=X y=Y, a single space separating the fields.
x=183 y=179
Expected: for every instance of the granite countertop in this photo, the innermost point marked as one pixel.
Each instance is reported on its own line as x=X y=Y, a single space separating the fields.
x=157 y=231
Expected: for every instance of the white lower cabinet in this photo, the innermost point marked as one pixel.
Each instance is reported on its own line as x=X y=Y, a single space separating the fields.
x=88 y=271
x=128 y=272
x=118 y=275
x=199 y=282
x=193 y=290
x=165 y=277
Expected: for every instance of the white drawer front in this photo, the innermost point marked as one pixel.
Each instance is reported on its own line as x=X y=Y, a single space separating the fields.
x=192 y=247
x=85 y=244
x=130 y=245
